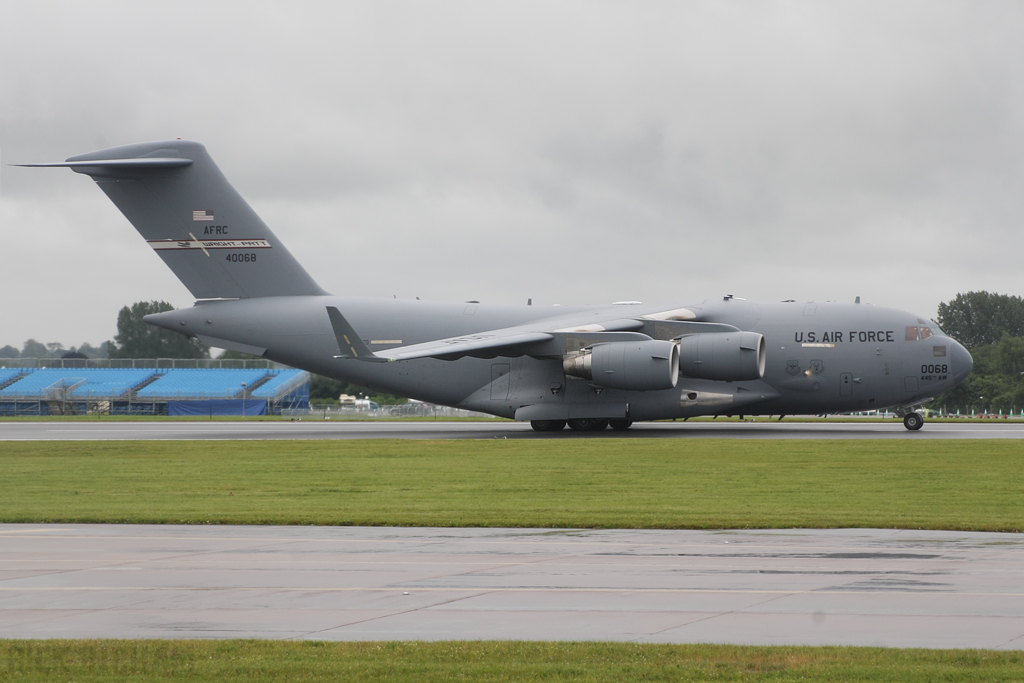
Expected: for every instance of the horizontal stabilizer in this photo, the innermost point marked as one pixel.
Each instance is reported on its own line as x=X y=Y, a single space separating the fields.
x=115 y=163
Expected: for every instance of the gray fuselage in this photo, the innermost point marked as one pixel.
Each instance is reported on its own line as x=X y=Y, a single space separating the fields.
x=821 y=357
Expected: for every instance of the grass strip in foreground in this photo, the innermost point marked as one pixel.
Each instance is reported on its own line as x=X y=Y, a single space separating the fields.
x=610 y=483
x=260 y=660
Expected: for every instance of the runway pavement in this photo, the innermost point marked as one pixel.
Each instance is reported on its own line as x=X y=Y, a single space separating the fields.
x=851 y=587
x=104 y=430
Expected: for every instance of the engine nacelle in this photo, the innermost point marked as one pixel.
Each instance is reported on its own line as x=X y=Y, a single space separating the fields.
x=722 y=356
x=636 y=366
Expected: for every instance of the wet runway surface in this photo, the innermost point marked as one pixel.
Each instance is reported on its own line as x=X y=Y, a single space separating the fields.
x=308 y=429
x=851 y=587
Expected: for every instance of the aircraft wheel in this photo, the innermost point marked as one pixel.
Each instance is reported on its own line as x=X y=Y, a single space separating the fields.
x=547 y=425
x=913 y=421
x=587 y=424
x=620 y=425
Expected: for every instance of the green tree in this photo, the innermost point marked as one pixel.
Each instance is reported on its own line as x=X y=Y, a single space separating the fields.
x=228 y=354
x=982 y=318
x=9 y=352
x=137 y=339
x=992 y=327
x=1011 y=355
x=34 y=349
x=995 y=382
x=327 y=390
x=91 y=351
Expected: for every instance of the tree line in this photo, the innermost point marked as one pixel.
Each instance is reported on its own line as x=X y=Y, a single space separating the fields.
x=134 y=339
x=35 y=349
x=991 y=327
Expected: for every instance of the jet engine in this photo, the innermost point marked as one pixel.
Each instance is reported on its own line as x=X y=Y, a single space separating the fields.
x=722 y=356
x=636 y=366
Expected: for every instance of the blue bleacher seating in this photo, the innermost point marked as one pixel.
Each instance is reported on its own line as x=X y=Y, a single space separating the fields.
x=100 y=382
x=208 y=383
x=280 y=379
x=8 y=373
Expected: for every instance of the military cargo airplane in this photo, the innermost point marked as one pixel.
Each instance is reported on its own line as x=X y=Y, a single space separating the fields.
x=586 y=366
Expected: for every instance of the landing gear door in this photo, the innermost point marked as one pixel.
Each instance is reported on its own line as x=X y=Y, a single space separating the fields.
x=500 y=381
x=537 y=381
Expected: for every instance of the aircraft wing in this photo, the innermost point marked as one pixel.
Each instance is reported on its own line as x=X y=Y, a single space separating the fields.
x=455 y=347
x=352 y=346
x=506 y=341
x=540 y=338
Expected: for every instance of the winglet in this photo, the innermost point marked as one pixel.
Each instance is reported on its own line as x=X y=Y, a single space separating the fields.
x=349 y=343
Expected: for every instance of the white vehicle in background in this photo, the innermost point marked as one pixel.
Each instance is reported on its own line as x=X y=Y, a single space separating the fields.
x=366 y=405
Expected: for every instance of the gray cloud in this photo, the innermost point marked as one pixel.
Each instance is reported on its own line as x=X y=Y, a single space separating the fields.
x=570 y=152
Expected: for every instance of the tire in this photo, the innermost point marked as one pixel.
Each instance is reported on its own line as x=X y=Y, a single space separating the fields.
x=547 y=425
x=587 y=424
x=913 y=421
x=620 y=425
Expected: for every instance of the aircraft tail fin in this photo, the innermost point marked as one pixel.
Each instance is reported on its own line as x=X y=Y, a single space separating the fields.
x=184 y=207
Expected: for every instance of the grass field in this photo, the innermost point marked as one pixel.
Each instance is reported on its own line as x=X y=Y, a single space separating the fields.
x=248 y=660
x=622 y=483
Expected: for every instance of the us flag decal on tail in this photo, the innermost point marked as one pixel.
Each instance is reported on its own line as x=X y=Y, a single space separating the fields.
x=201 y=215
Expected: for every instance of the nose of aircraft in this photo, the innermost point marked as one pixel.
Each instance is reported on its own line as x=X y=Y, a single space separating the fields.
x=962 y=362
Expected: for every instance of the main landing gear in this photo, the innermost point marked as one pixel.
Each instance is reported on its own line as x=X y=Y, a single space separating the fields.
x=913 y=421
x=586 y=424
x=547 y=425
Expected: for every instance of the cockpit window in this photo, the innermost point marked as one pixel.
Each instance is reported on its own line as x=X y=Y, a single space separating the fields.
x=916 y=333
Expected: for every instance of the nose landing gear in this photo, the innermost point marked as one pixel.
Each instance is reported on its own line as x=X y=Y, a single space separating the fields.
x=913 y=421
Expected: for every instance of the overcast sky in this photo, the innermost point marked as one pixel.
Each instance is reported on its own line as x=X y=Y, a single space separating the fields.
x=567 y=152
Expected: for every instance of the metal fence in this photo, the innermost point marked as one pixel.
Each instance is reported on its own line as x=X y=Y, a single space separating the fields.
x=141 y=363
x=412 y=409
x=27 y=407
